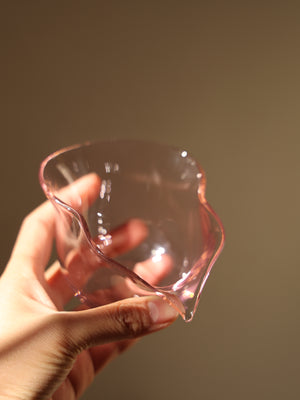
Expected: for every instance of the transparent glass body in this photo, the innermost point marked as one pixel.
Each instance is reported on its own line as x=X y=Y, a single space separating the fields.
x=132 y=220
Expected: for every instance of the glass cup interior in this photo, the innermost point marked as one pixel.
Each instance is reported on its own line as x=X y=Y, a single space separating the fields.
x=132 y=220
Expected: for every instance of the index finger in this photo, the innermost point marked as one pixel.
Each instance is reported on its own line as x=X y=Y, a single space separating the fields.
x=34 y=242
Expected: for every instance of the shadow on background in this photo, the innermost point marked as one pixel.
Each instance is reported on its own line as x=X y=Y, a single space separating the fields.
x=220 y=79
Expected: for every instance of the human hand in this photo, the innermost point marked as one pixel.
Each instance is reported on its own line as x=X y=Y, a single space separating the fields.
x=47 y=353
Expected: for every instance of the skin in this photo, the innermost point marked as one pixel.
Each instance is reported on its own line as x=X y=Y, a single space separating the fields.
x=49 y=353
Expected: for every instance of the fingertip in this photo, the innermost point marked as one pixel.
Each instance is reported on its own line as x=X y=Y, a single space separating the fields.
x=162 y=314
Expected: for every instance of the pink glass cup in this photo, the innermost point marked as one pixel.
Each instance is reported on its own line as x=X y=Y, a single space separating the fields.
x=132 y=220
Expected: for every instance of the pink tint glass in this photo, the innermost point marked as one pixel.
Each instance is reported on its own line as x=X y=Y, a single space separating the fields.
x=132 y=220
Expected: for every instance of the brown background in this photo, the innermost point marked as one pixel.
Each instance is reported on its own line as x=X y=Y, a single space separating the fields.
x=219 y=78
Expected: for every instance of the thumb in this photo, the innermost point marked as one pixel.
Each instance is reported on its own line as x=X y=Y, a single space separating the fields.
x=126 y=319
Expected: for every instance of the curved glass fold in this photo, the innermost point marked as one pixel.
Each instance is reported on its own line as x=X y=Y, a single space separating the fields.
x=132 y=220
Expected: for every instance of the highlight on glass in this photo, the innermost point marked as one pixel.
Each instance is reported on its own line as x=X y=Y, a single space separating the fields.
x=132 y=220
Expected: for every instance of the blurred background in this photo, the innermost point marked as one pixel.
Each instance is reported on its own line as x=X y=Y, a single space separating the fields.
x=219 y=79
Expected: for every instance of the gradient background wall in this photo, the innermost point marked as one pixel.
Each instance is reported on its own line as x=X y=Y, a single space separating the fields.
x=218 y=78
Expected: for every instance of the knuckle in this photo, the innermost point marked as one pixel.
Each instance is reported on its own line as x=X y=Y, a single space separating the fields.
x=26 y=220
x=133 y=321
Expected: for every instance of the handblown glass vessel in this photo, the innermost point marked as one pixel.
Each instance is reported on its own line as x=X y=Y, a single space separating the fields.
x=132 y=220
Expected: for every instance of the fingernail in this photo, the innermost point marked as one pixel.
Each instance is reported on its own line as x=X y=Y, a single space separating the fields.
x=161 y=312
